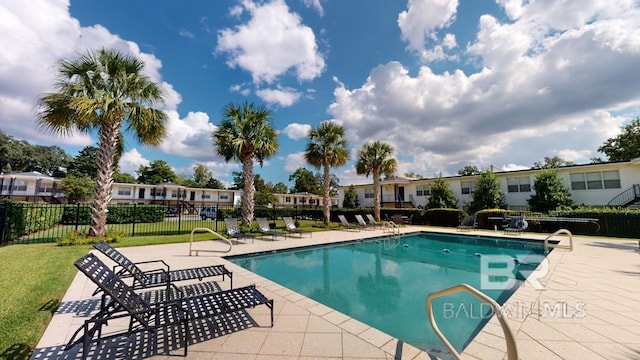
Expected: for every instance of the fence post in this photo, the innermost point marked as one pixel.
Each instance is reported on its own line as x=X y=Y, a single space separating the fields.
x=77 y=216
x=3 y=219
x=179 y=217
x=133 y=221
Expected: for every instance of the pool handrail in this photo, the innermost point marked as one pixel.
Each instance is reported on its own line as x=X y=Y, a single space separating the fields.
x=213 y=232
x=548 y=245
x=512 y=349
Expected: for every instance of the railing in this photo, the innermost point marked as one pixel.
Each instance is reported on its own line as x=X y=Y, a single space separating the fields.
x=626 y=197
x=547 y=245
x=197 y=251
x=512 y=350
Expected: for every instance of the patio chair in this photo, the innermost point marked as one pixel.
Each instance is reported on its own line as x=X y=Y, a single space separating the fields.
x=263 y=228
x=291 y=228
x=468 y=224
x=398 y=219
x=163 y=276
x=372 y=221
x=233 y=230
x=143 y=316
x=347 y=225
x=361 y=223
x=516 y=226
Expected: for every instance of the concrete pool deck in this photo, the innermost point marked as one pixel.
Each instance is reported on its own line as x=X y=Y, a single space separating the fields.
x=587 y=310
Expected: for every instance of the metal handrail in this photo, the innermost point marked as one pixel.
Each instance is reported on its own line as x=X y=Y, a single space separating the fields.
x=626 y=197
x=393 y=227
x=512 y=349
x=547 y=245
x=214 y=251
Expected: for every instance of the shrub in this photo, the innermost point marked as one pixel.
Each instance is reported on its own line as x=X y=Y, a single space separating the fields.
x=77 y=238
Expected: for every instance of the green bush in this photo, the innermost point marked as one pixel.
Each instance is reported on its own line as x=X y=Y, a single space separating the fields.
x=118 y=214
x=25 y=218
x=439 y=217
x=78 y=238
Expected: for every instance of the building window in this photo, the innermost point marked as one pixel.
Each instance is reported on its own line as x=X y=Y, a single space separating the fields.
x=595 y=180
x=206 y=195
x=368 y=193
x=518 y=184
x=224 y=196
x=175 y=193
x=287 y=199
x=423 y=190
x=124 y=191
x=467 y=187
x=312 y=201
x=157 y=192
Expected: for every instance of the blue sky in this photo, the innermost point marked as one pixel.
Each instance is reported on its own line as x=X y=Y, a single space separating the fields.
x=446 y=83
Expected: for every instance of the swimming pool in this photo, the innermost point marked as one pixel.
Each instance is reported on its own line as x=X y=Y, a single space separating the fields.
x=384 y=282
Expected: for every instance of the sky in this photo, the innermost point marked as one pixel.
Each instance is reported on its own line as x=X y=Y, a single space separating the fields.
x=446 y=83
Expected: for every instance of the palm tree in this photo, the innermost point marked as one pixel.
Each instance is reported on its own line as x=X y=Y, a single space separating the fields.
x=327 y=148
x=375 y=158
x=246 y=134
x=102 y=90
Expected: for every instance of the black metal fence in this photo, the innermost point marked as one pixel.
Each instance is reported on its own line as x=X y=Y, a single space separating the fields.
x=28 y=223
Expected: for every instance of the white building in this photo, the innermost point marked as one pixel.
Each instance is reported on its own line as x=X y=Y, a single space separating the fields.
x=613 y=183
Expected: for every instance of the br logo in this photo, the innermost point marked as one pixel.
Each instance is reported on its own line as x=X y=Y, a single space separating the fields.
x=499 y=272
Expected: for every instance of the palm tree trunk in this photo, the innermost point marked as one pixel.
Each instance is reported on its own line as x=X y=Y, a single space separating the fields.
x=326 y=206
x=376 y=194
x=247 y=198
x=102 y=192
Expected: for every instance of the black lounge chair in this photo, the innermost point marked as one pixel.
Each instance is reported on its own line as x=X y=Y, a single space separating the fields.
x=143 y=316
x=291 y=228
x=158 y=277
x=516 y=226
x=468 y=224
x=263 y=228
x=233 y=230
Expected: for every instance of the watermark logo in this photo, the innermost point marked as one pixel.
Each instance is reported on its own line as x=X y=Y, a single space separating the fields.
x=498 y=272
x=516 y=310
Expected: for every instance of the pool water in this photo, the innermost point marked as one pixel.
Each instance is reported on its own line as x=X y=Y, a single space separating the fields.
x=384 y=282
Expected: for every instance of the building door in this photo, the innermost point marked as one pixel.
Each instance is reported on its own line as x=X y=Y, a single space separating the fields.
x=400 y=193
x=141 y=194
x=193 y=196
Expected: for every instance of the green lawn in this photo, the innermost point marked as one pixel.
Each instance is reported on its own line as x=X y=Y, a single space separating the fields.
x=34 y=278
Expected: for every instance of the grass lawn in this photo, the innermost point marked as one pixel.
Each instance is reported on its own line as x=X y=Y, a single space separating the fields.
x=34 y=278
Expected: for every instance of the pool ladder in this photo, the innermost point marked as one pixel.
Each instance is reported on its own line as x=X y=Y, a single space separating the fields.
x=547 y=245
x=391 y=226
x=512 y=350
x=191 y=250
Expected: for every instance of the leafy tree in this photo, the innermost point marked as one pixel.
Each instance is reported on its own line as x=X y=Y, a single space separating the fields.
x=487 y=194
x=157 y=172
x=350 y=200
x=551 y=163
x=327 y=148
x=214 y=183
x=625 y=146
x=124 y=178
x=201 y=176
x=469 y=170
x=550 y=193
x=238 y=180
x=375 y=158
x=101 y=91
x=245 y=134
x=441 y=195
x=334 y=183
x=265 y=196
x=258 y=182
x=412 y=175
x=85 y=163
x=305 y=181
x=77 y=189
x=280 y=188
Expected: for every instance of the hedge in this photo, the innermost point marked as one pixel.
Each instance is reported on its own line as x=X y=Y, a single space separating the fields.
x=23 y=218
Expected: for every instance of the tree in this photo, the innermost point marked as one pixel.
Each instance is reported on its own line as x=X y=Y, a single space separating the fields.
x=201 y=176
x=305 y=181
x=245 y=134
x=412 y=175
x=85 y=163
x=265 y=196
x=158 y=172
x=124 y=178
x=375 y=159
x=214 y=183
x=350 y=200
x=469 y=170
x=334 y=183
x=441 y=195
x=551 y=163
x=487 y=194
x=625 y=146
x=327 y=148
x=77 y=189
x=101 y=91
x=280 y=188
x=550 y=194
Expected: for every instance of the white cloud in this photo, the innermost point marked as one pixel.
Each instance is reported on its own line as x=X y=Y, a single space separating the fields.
x=186 y=33
x=131 y=161
x=546 y=86
x=422 y=19
x=191 y=137
x=295 y=161
x=316 y=5
x=297 y=131
x=284 y=97
x=272 y=43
